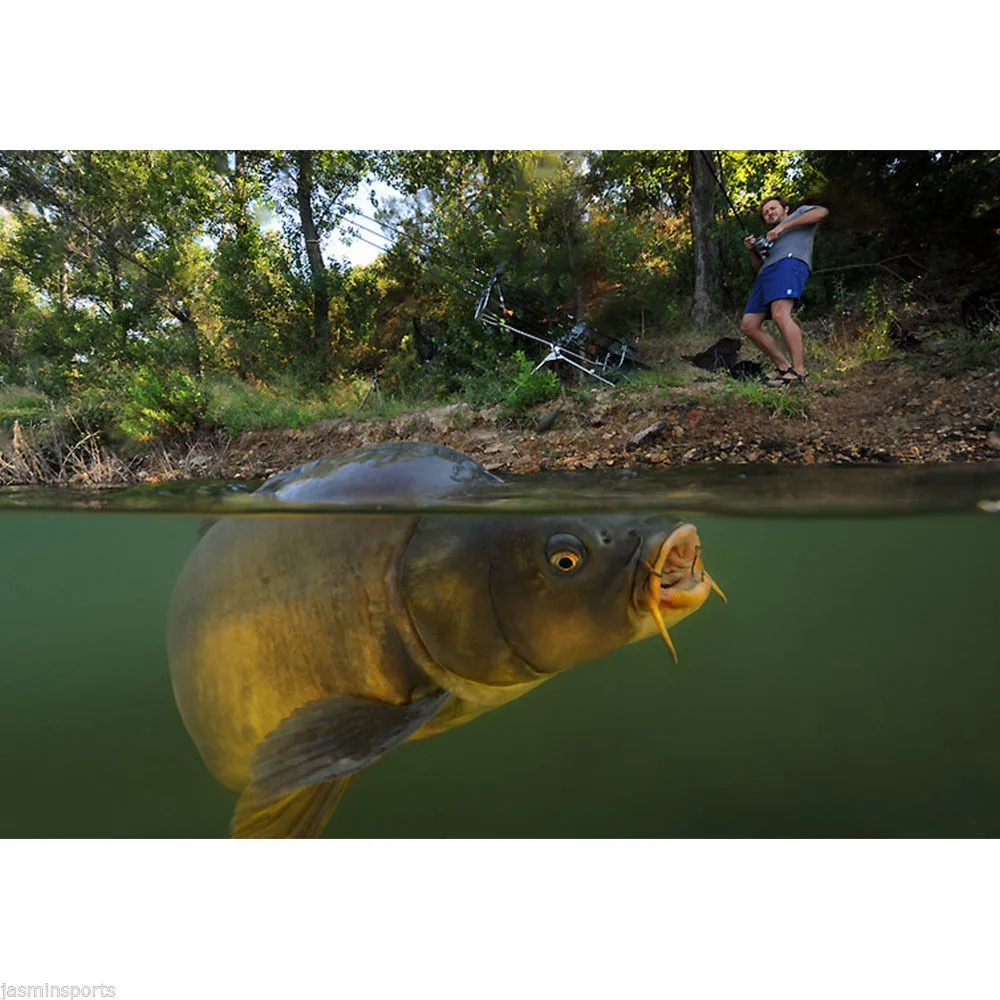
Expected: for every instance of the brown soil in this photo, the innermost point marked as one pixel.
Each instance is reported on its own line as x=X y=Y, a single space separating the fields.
x=880 y=412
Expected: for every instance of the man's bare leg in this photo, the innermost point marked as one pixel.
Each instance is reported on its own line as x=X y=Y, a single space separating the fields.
x=791 y=333
x=753 y=329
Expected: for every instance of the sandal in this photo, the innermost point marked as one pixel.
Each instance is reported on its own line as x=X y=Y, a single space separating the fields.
x=788 y=377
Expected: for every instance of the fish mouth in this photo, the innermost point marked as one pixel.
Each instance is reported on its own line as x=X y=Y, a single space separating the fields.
x=677 y=583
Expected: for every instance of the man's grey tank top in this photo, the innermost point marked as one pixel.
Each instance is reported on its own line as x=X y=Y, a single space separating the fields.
x=797 y=242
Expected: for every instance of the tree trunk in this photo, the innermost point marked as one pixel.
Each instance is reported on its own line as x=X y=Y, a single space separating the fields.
x=116 y=300
x=8 y=346
x=236 y=228
x=317 y=269
x=707 y=305
x=491 y=167
x=239 y=189
x=64 y=285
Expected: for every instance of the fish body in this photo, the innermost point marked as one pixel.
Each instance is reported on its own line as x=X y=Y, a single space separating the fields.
x=303 y=647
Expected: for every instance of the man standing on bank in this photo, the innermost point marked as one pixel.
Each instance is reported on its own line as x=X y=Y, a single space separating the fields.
x=781 y=276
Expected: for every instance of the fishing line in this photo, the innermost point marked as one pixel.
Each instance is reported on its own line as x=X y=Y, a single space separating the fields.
x=430 y=266
x=402 y=234
x=458 y=273
x=452 y=274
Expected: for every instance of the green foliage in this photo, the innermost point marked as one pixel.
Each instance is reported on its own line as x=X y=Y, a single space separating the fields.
x=941 y=206
x=120 y=266
x=477 y=209
x=879 y=314
x=750 y=176
x=260 y=321
x=531 y=387
x=237 y=406
x=488 y=388
x=154 y=404
x=639 y=181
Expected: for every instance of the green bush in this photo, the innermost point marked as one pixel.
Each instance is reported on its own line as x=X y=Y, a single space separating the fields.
x=531 y=387
x=154 y=404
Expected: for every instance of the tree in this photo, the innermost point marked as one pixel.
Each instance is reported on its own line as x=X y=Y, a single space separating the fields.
x=311 y=188
x=943 y=206
x=476 y=209
x=111 y=237
x=707 y=305
x=253 y=284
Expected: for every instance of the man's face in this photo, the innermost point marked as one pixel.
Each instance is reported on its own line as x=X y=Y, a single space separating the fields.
x=772 y=212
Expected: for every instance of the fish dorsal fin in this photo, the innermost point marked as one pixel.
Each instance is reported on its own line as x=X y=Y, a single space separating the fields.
x=302 y=813
x=319 y=743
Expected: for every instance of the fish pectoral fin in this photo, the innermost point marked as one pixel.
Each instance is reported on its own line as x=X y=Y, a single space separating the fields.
x=301 y=768
x=332 y=738
x=302 y=813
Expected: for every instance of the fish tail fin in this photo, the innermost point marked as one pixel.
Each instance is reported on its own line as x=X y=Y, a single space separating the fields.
x=300 y=813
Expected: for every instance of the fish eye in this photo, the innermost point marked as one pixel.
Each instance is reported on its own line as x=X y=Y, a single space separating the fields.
x=565 y=552
x=565 y=561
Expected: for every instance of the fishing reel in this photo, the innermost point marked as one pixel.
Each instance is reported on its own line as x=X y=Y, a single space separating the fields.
x=762 y=244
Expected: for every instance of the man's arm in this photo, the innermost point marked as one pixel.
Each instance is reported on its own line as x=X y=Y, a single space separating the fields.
x=756 y=261
x=815 y=214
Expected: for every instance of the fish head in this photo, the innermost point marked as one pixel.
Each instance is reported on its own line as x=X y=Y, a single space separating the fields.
x=498 y=599
x=572 y=589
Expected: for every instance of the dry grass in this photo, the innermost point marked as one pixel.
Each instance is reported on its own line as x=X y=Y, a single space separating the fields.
x=49 y=455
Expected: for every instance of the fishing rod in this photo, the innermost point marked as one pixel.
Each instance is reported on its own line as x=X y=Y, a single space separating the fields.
x=355 y=230
x=431 y=266
x=498 y=317
x=760 y=243
x=490 y=308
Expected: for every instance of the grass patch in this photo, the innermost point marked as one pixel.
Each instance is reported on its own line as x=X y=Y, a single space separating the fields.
x=653 y=380
x=23 y=405
x=976 y=351
x=788 y=402
x=242 y=406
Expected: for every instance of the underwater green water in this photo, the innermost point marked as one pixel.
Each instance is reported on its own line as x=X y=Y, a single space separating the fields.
x=850 y=688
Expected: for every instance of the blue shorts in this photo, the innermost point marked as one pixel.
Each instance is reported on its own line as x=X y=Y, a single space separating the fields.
x=784 y=279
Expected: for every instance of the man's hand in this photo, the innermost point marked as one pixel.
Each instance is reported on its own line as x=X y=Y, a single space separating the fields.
x=748 y=242
x=814 y=214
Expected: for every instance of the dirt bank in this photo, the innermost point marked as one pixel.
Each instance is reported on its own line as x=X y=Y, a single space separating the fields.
x=879 y=412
